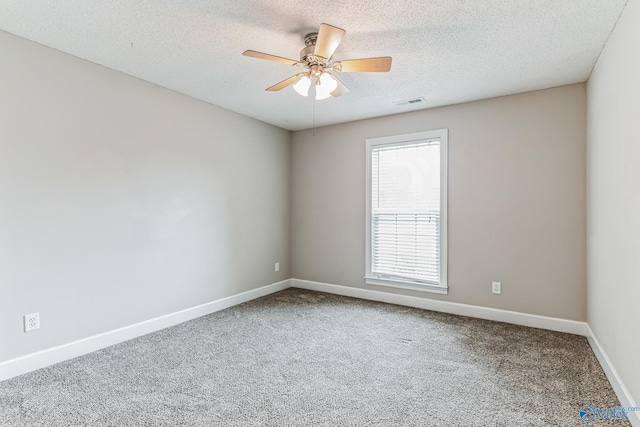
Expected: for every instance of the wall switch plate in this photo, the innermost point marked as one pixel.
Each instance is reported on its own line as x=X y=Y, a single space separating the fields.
x=277 y=267
x=496 y=288
x=31 y=322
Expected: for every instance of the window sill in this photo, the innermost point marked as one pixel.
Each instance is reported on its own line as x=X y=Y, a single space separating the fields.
x=401 y=284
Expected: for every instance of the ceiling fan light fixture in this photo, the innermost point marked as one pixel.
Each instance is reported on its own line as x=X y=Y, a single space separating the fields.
x=303 y=85
x=325 y=85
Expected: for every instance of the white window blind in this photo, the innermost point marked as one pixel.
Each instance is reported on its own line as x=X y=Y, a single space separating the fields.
x=405 y=212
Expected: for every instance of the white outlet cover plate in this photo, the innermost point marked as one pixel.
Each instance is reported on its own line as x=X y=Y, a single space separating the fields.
x=496 y=288
x=31 y=322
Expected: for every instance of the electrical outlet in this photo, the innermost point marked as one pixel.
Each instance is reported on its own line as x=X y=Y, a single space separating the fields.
x=496 y=288
x=277 y=267
x=31 y=322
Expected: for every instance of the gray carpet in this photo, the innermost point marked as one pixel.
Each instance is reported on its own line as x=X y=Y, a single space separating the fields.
x=299 y=358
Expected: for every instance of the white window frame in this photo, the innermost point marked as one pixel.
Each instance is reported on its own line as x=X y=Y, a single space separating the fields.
x=370 y=279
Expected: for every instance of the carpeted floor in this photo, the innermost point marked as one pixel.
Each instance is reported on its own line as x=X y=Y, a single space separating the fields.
x=298 y=358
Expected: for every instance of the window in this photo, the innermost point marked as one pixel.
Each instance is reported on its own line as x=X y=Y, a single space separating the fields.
x=407 y=211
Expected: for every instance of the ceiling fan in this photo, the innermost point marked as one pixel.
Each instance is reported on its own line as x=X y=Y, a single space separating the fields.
x=317 y=60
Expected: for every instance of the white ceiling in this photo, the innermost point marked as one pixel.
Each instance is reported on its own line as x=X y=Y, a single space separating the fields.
x=446 y=51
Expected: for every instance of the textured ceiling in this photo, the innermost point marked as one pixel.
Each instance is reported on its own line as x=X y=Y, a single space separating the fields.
x=443 y=50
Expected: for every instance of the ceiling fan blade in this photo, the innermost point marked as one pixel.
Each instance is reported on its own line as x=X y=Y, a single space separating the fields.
x=329 y=38
x=286 y=82
x=340 y=90
x=260 y=55
x=382 y=64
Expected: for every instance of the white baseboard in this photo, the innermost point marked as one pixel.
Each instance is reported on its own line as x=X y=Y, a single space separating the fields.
x=30 y=362
x=514 y=317
x=612 y=375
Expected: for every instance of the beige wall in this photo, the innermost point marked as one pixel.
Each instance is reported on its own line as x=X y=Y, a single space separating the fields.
x=516 y=200
x=614 y=198
x=121 y=201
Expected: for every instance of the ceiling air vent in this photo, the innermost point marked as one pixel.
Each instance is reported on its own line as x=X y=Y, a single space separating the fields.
x=409 y=101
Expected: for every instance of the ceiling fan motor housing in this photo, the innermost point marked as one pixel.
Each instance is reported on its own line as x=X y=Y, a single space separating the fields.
x=310 y=39
x=307 y=55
